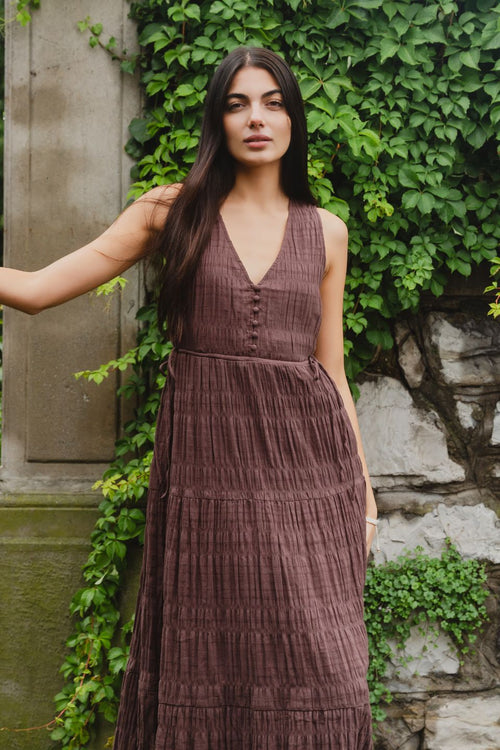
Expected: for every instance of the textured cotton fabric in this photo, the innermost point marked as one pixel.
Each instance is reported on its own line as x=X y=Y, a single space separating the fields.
x=249 y=631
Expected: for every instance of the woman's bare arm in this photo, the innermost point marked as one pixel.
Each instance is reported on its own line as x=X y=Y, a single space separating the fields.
x=330 y=345
x=116 y=249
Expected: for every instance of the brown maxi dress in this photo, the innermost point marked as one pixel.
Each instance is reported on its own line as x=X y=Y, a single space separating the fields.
x=249 y=631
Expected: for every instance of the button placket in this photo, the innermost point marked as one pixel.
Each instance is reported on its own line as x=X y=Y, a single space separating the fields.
x=254 y=335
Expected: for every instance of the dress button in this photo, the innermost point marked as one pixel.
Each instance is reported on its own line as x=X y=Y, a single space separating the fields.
x=256 y=309
x=255 y=322
x=256 y=297
x=253 y=346
x=254 y=334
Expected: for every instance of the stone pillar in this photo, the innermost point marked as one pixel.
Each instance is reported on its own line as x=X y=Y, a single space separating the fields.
x=66 y=179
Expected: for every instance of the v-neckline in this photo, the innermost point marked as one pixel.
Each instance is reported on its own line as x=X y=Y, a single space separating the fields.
x=277 y=258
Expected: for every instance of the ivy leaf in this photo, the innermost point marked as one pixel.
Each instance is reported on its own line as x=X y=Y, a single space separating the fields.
x=426 y=15
x=406 y=54
x=425 y=203
x=332 y=90
x=493 y=42
x=337 y=18
x=388 y=48
x=185 y=89
x=309 y=86
x=139 y=130
x=410 y=199
x=311 y=64
x=470 y=58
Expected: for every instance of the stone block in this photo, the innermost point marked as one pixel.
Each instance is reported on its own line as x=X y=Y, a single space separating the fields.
x=424 y=664
x=419 y=502
x=403 y=727
x=463 y=350
x=409 y=356
x=495 y=433
x=42 y=550
x=475 y=530
x=469 y=722
x=468 y=413
x=402 y=443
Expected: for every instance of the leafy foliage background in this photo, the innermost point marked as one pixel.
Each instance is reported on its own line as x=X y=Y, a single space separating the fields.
x=403 y=109
x=403 y=106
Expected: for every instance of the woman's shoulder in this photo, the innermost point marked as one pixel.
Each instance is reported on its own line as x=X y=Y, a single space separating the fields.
x=158 y=201
x=333 y=226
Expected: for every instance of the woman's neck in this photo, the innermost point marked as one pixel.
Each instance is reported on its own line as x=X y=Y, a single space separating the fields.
x=260 y=186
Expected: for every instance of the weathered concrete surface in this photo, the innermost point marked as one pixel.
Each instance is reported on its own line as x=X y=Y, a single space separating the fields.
x=42 y=550
x=66 y=177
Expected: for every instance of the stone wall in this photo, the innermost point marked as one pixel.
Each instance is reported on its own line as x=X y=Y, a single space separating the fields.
x=430 y=417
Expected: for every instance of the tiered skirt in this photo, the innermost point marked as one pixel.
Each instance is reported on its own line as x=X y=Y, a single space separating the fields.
x=249 y=631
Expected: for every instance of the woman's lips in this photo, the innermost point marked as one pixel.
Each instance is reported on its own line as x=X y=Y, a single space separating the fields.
x=254 y=141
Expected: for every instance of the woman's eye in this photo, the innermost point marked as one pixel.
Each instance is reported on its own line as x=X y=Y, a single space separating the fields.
x=233 y=106
x=275 y=103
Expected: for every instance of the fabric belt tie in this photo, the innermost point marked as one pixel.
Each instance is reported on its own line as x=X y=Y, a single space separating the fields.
x=311 y=360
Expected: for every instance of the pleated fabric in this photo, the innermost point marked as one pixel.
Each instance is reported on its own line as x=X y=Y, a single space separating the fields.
x=249 y=631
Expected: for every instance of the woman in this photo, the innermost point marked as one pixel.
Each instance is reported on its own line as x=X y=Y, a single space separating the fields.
x=249 y=625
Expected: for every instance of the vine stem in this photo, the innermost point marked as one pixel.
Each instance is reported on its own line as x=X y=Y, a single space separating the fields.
x=61 y=713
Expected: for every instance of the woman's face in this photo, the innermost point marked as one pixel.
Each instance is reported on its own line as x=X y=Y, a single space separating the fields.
x=255 y=121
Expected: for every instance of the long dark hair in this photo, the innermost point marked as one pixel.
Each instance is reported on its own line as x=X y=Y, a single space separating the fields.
x=194 y=211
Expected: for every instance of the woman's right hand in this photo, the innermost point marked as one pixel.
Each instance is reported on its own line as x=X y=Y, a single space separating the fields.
x=120 y=246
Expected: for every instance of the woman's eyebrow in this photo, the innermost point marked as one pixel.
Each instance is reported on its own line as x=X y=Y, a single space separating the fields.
x=244 y=96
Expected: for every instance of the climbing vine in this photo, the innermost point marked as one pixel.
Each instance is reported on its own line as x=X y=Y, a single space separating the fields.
x=403 y=106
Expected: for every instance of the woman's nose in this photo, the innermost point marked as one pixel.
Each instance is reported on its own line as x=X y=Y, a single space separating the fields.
x=256 y=115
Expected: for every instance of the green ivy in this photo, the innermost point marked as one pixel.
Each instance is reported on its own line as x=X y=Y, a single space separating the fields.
x=24 y=9
x=494 y=307
x=436 y=595
x=403 y=107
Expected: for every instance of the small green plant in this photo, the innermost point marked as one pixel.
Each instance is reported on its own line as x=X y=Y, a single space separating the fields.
x=24 y=9
x=437 y=594
x=494 y=287
x=127 y=62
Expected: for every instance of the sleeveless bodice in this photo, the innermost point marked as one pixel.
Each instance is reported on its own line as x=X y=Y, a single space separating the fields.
x=278 y=318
